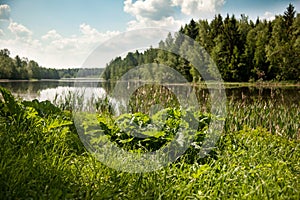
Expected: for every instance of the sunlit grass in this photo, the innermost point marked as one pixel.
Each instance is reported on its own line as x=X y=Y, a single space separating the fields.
x=42 y=158
x=279 y=119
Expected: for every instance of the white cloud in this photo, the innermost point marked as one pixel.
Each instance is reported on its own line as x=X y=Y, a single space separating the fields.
x=91 y=35
x=87 y=39
x=53 y=49
x=88 y=30
x=51 y=35
x=19 y=30
x=167 y=22
x=199 y=8
x=1 y=33
x=162 y=13
x=269 y=16
x=4 y=12
x=150 y=9
x=151 y=13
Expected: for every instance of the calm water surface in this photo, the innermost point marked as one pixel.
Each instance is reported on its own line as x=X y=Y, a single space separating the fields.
x=51 y=89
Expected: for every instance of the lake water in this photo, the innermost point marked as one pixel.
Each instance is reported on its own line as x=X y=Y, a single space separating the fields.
x=51 y=89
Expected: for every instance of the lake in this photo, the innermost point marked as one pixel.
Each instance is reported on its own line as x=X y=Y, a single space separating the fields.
x=51 y=89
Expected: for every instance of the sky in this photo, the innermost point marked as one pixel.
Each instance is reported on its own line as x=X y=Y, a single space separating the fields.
x=63 y=33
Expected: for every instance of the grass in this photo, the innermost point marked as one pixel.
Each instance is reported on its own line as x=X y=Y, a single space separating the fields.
x=43 y=158
x=278 y=119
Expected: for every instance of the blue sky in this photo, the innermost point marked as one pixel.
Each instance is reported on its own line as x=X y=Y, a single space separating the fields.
x=67 y=15
x=62 y=33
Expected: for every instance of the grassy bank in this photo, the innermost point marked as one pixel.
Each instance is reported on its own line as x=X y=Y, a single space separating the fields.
x=42 y=157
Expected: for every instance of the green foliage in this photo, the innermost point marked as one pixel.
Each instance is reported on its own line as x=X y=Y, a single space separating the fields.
x=141 y=132
x=79 y=72
x=241 y=49
x=28 y=135
x=277 y=118
x=43 y=158
x=150 y=97
x=44 y=109
x=256 y=165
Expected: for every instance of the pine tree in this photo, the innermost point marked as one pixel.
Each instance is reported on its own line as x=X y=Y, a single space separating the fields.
x=289 y=16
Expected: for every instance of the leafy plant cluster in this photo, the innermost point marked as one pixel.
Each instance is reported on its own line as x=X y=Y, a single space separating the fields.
x=242 y=50
x=143 y=133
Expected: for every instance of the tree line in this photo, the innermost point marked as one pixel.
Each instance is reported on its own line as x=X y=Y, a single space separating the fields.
x=243 y=50
x=80 y=72
x=22 y=69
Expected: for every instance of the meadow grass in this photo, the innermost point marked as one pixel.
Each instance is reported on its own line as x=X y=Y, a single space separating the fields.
x=43 y=158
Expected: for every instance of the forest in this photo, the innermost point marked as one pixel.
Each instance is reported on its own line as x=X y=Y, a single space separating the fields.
x=243 y=50
x=22 y=69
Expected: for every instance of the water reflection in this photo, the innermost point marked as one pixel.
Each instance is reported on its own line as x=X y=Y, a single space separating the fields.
x=284 y=95
x=51 y=89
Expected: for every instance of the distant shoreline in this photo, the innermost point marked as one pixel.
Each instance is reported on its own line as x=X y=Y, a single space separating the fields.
x=226 y=84
x=51 y=80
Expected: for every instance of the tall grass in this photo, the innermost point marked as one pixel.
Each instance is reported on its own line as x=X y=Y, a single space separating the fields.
x=278 y=118
x=42 y=158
